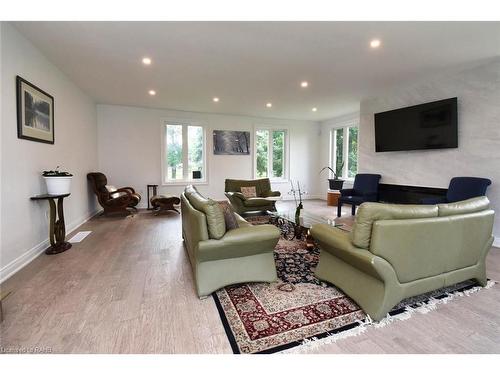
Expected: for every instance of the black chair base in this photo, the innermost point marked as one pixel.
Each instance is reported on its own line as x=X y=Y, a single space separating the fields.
x=339 y=209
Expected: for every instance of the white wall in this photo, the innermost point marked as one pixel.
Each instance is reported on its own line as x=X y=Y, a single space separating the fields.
x=129 y=144
x=478 y=152
x=23 y=222
x=324 y=149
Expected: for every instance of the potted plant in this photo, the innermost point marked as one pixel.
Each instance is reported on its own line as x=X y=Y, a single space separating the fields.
x=57 y=182
x=335 y=183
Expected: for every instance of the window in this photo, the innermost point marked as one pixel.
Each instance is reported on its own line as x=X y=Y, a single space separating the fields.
x=344 y=151
x=183 y=153
x=270 y=154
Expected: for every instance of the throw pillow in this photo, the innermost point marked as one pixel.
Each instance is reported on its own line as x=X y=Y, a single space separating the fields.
x=216 y=224
x=249 y=191
x=229 y=216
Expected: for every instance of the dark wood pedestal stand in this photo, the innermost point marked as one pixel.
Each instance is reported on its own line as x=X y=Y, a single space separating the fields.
x=57 y=228
x=155 y=192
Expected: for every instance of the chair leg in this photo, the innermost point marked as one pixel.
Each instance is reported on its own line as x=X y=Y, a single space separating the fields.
x=339 y=209
x=353 y=210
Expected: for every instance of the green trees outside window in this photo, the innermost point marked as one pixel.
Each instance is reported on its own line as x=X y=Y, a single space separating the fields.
x=345 y=146
x=262 y=148
x=270 y=153
x=174 y=152
x=184 y=151
x=352 y=151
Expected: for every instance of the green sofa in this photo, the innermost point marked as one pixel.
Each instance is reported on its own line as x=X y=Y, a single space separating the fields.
x=259 y=203
x=219 y=257
x=399 y=251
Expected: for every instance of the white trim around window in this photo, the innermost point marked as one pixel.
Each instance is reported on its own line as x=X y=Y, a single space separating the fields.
x=185 y=123
x=286 y=152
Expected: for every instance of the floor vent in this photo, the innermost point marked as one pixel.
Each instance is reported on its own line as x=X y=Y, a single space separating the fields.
x=80 y=236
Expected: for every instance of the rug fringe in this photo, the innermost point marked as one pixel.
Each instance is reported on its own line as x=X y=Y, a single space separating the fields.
x=422 y=308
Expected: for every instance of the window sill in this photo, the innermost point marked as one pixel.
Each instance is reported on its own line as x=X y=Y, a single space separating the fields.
x=279 y=181
x=184 y=183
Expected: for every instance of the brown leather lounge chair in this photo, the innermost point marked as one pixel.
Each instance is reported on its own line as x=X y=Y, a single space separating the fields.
x=113 y=200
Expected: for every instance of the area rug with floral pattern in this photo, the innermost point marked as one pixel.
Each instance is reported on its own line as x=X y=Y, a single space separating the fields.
x=299 y=311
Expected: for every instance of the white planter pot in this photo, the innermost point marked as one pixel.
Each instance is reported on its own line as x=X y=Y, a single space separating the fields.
x=58 y=185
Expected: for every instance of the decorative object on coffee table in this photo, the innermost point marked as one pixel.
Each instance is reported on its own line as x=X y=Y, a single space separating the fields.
x=35 y=113
x=57 y=228
x=293 y=228
x=335 y=183
x=161 y=203
x=154 y=188
x=296 y=192
x=57 y=182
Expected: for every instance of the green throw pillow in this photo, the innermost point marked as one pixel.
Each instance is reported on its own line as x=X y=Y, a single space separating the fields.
x=215 y=216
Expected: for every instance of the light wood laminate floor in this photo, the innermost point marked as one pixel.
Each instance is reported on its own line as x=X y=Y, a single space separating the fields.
x=128 y=288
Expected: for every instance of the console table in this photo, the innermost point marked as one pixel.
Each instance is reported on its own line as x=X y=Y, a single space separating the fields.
x=57 y=228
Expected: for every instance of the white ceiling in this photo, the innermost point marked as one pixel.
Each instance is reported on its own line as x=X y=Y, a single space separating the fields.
x=247 y=64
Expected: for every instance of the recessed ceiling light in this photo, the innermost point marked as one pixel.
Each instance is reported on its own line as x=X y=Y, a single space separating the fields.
x=304 y=84
x=314 y=109
x=216 y=99
x=375 y=43
x=146 y=61
x=269 y=105
x=152 y=92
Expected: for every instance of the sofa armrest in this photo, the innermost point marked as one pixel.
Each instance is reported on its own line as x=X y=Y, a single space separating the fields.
x=127 y=188
x=247 y=240
x=241 y=222
x=345 y=192
x=236 y=194
x=270 y=193
x=123 y=199
x=338 y=243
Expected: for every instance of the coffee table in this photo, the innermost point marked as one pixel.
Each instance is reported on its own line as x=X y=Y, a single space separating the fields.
x=290 y=228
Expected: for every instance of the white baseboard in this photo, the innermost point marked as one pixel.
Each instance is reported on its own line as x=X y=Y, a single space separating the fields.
x=27 y=257
x=305 y=197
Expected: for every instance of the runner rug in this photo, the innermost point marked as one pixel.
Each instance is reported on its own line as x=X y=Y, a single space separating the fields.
x=301 y=310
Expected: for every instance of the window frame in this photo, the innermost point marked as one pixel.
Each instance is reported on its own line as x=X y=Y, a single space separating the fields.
x=286 y=153
x=345 y=148
x=185 y=123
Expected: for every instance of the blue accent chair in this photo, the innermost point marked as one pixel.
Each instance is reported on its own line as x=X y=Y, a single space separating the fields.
x=462 y=188
x=365 y=189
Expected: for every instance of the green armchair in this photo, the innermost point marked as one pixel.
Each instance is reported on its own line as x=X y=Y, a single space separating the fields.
x=264 y=201
x=221 y=257
x=399 y=251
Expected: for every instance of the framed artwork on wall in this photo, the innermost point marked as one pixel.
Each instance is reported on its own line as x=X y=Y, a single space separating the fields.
x=230 y=142
x=35 y=113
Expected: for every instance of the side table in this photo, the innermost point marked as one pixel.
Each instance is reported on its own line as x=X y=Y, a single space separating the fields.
x=57 y=228
x=155 y=192
x=332 y=197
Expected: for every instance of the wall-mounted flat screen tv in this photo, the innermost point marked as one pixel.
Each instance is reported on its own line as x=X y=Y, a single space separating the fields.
x=419 y=127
